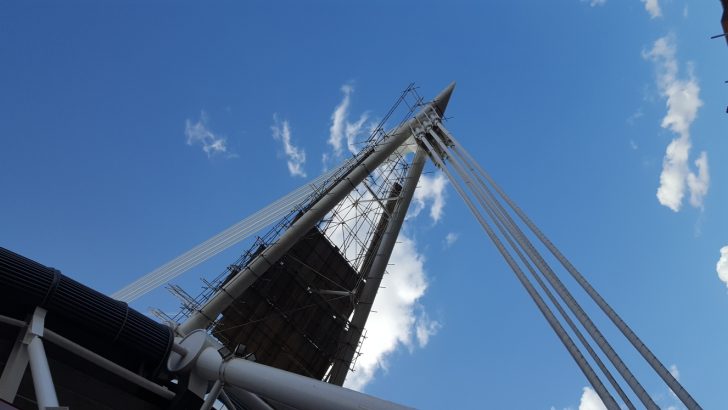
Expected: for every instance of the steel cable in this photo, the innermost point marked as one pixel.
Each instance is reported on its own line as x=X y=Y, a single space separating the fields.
x=646 y=353
x=221 y=241
x=535 y=296
x=205 y=250
x=507 y=229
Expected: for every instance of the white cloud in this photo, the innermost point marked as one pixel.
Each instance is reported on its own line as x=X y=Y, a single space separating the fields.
x=674 y=174
x=342 y=131
x=431 y=190
x=398 y=315
x=595 y=3
x=199 y=133
x=590 y=400
x=296 y=156
x=653 y=7
x=683 y=101
x=722 y=266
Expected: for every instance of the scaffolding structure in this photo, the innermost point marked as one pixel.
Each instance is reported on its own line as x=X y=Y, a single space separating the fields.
x=297 y=316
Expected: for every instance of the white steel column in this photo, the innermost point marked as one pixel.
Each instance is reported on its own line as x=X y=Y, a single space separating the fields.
x=291 y=389
x=29 y=349
x=45 y=392
x=14 y=368
x=200 y=359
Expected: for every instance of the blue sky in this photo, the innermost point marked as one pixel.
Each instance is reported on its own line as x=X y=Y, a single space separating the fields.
x=564 y=103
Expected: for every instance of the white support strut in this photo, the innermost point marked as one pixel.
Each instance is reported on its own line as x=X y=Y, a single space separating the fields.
x=28 y=349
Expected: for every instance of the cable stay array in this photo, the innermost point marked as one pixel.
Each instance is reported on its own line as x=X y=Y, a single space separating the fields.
x=510 y=230
x=223 y=240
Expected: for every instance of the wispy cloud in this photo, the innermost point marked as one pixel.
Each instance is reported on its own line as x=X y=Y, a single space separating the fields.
x=342 y=131
x=683 y=101
x=450 y=239
x=590 y=400
x=425 y=328
x=722 y=266
x=296 y=156
x=595 y=3
x=338 y=120
x=671 y=401
x=398 y=315
x=430 y=191
x=698 y=184
x=674 y=371
x=199 y=134
x=353 y=130
x=653 y=8
x=635 y=116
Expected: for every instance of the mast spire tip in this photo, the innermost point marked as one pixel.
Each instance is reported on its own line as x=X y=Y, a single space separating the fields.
x=440 y=102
